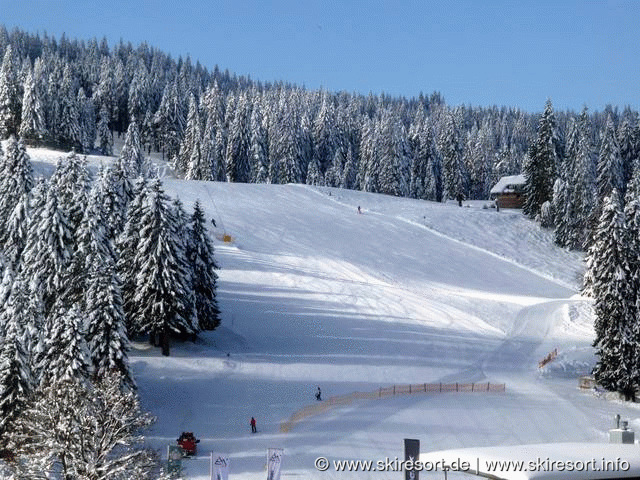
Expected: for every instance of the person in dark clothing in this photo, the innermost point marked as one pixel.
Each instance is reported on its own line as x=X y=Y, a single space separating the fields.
x=253 y=425
x=318 y=394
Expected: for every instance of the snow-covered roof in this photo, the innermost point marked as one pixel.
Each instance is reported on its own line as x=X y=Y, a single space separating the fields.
x=548 y=461
x=506 y=183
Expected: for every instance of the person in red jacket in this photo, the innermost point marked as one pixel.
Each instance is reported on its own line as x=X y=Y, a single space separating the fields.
x=253 y=425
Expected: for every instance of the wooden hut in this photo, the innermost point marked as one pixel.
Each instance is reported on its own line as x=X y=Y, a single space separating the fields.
x=509 y=192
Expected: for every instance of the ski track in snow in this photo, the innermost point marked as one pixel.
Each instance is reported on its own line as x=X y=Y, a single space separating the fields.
x=314 y=294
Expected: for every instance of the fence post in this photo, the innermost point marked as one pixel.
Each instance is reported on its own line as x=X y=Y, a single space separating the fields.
x=409 y=389
x=472 y=384
x=425 y=388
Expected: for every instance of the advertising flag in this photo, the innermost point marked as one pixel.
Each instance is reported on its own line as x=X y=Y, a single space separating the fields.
x=219 y=466
x=274 y=462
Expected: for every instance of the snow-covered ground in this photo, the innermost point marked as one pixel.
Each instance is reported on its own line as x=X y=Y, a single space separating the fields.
x=313 y=293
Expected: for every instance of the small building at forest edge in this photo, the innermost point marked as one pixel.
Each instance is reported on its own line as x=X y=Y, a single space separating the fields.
x=509 y=192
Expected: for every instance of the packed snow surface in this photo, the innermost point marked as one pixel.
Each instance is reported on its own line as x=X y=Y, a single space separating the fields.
x=314 y=294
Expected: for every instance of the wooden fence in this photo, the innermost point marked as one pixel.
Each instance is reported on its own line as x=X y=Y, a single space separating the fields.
x=324 y=405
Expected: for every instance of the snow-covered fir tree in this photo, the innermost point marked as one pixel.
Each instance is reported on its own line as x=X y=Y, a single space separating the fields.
x=541 y=163
x=608 y=279
x=127 y=246
x=16 y=182
x=582 y=208
x=163 y=290
x=610 y=168
x=238 y=141
x=9 y=95
x=104 y=135
x=131 y=158
x=258 y=145
x=107 y=335
x=200 y=255
x=191 y=139
x=32 y=129
x=16 y=378
x=393 y=155
x=69 y=134
x=454 y=175
x=71 y=180
x=48 y=249
x=86 y=121
x=66 y=354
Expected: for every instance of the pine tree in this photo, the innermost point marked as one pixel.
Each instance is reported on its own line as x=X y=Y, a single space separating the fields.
x=138 y=101
x=105 y=137
x=170 y=120
x=116 y=191
x=369 y=166
x=323 y=133
x=71 y=180
x=69 y=133
x=433 y=176
x=66 y=355
x=393 y=157
x=190 y=140
x=9 y=96
x=286 y=152
x=48 y=250
x=16 y=234
x=237 y=153
x=163 y=284
x=86 y=121
x=32 y=126
x=16 y=379
x=127 y=247
x=213 y=136
x=107 y=336
x=454 y=175
x=348 y=178
x=583 y=207
x=16 y=181
x=201 y=258
x=627 y=143
x=131 y=158
x=608 y=280
x=610 y=171
x=541 y=165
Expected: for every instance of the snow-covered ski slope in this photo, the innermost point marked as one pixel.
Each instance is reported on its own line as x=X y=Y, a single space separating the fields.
x=313 y=293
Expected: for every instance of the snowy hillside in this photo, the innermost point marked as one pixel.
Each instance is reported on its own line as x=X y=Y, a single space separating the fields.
x=409 y=292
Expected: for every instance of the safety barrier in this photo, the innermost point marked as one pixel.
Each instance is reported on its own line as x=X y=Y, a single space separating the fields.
x=339 y=400
x=549 y=358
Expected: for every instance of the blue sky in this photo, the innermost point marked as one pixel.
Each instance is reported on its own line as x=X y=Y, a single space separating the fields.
x=515 y=53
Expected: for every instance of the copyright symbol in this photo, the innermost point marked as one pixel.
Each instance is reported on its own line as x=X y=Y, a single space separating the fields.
x=322 y=464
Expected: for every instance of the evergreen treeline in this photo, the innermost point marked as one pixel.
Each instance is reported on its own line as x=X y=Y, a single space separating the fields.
x=87 y=264
x=212 y=125
x=586 y=186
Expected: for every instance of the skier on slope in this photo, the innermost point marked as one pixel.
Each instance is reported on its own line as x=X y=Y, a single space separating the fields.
x=318 y=394
x=253 y=425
